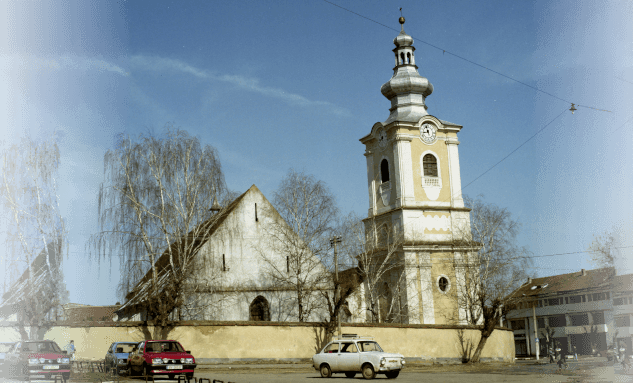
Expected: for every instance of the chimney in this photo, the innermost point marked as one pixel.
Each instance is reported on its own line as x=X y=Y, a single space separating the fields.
x=529 y=280
x=583 y=272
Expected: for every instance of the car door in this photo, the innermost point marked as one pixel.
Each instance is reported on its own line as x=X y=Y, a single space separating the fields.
x=136 y=360
x=109 y=355
x=348 y=357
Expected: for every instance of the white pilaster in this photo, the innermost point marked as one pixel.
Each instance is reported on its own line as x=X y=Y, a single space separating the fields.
x=454 y=172
x=426 y=289
x=404 y=170
x=371 y=183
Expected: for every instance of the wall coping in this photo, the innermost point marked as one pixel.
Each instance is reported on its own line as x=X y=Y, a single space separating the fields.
x=256 y=323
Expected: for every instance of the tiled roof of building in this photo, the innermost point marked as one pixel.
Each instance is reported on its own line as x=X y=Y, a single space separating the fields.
x=78 y=313
x=623 y=283
x=591 y=280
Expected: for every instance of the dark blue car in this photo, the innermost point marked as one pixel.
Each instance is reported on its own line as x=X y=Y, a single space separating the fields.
x=117 y=357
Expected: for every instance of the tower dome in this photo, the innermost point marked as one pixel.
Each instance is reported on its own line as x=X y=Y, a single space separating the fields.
x=406 y=89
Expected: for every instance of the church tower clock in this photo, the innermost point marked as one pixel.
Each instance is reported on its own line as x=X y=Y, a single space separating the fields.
x=414 y=184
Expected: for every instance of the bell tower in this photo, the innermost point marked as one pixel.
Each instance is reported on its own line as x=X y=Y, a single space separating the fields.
x=413 y=180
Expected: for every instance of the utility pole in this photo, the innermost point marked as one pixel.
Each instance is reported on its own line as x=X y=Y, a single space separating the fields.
x=333 y=242
x=536 y=342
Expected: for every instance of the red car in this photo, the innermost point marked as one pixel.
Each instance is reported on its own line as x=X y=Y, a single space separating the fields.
x=161 y=357
x=37 y=359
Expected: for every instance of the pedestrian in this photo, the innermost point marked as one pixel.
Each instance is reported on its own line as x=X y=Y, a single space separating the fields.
x=70 y=348
x=562 y=360
x=550 y=352
x=575 y=354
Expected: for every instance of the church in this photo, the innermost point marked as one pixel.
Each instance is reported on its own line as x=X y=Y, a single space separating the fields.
x=413 y=182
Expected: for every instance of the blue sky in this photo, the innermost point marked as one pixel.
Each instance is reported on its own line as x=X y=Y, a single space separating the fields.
x=274 y=85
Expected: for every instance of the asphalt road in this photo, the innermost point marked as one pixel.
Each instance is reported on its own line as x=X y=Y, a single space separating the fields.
x=522 y=371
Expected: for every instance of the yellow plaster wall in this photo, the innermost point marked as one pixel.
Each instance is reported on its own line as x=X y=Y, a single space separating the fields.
x=440 y=149
x=445 y=305
x=286 y=341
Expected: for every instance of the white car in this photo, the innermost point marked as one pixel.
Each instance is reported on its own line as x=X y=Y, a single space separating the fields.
x=352 y=354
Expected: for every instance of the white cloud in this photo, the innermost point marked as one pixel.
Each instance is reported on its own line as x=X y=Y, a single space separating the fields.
x=248 y=83
x=28 y=62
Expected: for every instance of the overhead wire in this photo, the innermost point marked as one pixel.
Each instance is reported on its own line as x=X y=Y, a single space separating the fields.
x=444 y=51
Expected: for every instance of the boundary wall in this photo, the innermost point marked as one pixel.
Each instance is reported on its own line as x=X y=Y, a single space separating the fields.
x=227 y=342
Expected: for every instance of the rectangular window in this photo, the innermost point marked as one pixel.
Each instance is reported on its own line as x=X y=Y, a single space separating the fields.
x=623 y=321
x=619 y=302
x=223 y=263
x=589 y=297
x=256 y=220
x=607 y=293
x=584 y=298
x=557 y=321
x=598 y=317
x=576 y=299
x=541 y=322
x=517 y=324
x=579 y=320
x=630 y=300
x=600 y=296
x=555 y=301
x=566 y=300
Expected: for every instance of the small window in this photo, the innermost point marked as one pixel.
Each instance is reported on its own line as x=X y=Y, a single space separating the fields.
x=402 y=58
x=260 y=310
x=384 y=170
x=408 y=58
x=429 y=162
x=348 y=347
x=442 y=283
x=256 y=220
x=331 y=349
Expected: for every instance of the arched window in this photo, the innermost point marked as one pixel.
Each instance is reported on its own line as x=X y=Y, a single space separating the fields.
x=259 y=310
x=408 y=58
x=384 y=170
x=401 y=58
x=429 y=162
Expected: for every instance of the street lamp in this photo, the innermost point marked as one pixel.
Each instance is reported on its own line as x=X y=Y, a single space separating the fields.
x=333 y=241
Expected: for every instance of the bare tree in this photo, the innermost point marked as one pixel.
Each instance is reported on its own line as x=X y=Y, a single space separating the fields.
x=602 y=249
x=298 y=236
x=493 y=269
x=35 y=233
x=375 y=246
x=154 y=215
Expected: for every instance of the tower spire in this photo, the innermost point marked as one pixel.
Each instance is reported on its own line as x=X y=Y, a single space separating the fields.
x=406 y=89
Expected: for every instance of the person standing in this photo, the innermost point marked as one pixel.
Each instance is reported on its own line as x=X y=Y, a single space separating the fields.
x=575 y=354
x=70 y=348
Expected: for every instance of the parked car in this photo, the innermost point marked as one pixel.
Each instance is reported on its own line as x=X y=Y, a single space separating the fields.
x=37 y=359
x=117 y=356
x=4 y=348
x=352 y=354
x=161 y=357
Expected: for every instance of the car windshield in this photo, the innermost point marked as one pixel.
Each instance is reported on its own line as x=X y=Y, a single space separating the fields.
x=5 y=347
x=163 y=347
x=369 y=346
x=40 y=347
x=126 y=347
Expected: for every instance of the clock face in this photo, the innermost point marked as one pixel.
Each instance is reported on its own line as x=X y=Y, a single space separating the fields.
x=382 y=139
x=428 y=133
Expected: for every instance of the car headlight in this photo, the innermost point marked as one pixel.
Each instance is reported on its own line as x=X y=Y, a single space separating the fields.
x=157 y=361
x=63 y=360
x=34 y=361
x=122 y=361
x=189 y=360
x=382 y=361
x=42 y=360
x=402 y=361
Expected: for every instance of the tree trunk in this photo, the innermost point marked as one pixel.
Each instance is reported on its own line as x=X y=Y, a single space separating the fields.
x=486 y=331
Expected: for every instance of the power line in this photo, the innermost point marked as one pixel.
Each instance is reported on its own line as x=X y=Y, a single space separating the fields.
x=467 y=60
x=620 y=127
x=518 y=147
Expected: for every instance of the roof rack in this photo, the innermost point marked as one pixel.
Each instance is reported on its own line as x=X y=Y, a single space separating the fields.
x=351 y=336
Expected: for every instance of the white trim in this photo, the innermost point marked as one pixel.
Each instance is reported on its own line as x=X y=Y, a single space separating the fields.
x=437 y=284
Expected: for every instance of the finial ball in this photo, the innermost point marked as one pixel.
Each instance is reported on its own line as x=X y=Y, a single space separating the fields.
x=401 y=20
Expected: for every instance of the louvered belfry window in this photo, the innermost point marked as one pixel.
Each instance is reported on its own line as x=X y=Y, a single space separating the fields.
x=429 y=162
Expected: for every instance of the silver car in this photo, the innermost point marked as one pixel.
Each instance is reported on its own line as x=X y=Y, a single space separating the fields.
x=352 y=354
x=116 y=358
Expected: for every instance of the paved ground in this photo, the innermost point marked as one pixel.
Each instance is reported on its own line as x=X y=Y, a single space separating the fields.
x=589 y=370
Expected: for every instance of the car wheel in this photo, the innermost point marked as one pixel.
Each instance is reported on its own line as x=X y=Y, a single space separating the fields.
x=350 y=374
x=368 y=371
x=326 y=372
x=392 y=374
x=189 y=375
x=66 y=376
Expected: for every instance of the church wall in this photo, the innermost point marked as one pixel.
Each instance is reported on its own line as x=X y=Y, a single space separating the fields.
x=379 y=155
x=221 y=342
